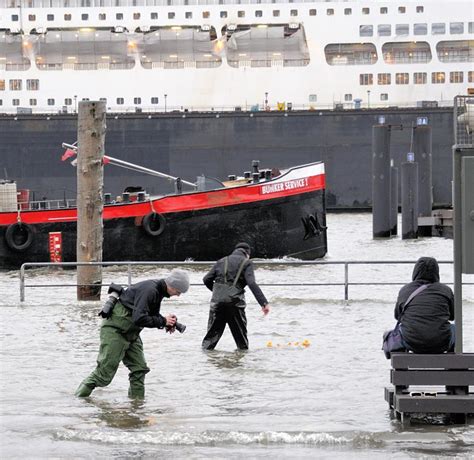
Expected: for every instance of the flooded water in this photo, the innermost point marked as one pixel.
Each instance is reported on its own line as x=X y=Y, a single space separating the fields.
x=284 y=401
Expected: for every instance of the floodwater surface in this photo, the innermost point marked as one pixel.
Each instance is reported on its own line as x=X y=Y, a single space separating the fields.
x=281 y=399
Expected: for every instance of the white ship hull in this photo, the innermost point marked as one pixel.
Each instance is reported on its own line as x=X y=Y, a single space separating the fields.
x=311 y=83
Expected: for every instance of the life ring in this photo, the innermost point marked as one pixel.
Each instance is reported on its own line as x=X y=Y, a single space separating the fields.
x=154 y=224
x=19 y=237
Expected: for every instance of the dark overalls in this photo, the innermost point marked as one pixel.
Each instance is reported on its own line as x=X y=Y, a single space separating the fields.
x=221 y=314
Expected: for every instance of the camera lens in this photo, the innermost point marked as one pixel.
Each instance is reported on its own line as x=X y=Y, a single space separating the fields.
x=180 y=327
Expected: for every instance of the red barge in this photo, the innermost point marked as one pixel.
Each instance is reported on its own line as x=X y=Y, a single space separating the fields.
x=281 y=215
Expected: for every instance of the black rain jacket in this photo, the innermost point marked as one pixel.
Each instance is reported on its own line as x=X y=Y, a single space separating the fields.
x=247 y=277
x=425 y=323
x=144 y=299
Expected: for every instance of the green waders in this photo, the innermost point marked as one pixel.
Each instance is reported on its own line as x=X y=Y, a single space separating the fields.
x=119 y=341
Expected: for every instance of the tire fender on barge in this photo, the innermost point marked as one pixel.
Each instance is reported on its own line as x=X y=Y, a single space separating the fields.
x=154 y=224
x=19 y=236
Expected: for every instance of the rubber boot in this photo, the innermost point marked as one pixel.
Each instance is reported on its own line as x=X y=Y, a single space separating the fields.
x=135 y=392
x=84 y=390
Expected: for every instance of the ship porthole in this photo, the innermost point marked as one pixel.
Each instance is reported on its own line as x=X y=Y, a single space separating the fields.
x=19 y=236
x=154 y=224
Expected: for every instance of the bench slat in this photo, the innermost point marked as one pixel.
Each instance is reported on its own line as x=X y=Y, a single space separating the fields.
x=441 y=361
x=432 y=377
x=439 y=404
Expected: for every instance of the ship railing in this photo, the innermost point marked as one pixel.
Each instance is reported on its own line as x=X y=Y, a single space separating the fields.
x=129 y=265
x=46 y=204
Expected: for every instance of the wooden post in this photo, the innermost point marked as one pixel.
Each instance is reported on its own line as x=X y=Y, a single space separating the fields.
x=90 y=178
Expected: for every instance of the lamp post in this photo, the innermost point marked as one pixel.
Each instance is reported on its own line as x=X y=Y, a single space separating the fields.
x=165 y=101
x=266 y=100
x=368 y=98
x=75 y=104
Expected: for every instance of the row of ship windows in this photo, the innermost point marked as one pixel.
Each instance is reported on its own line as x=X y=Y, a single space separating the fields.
x=118 y=3
x=402 y=78
x=172 y=15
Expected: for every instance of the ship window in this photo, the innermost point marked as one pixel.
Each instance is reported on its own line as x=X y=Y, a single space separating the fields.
x=438 y=28
x=384 y=96
x=137 y=100
x=365 y=10
x=350 y=54
x=120 y=101
x=420 y=9
x=223 y=14
x=456 y=28
x=136 y=16
x=154 y=100
x=50 y=101
x=102 y=16
x=384 y=30
x=348 y=97
x=50 y=17
x=420 y=78
x=406 y=52
x=456 y=77
x=119 y=16
x=384 y=79
x=258 y=13
x=188 y=15
x=33 y=102
x=420 y=29
x=455 y=51
x=84 y=17
x=312 y=12
x=2 y=85
x=366 y=31
x=171 y=15
x=103 y=99
x=402 y=29
x=383 y=10
x=402 y=79
x=1 y=101
x=206 y=14
x=68 y=101
x=32 y=85
x=347 y=11
x=15 y=101
x=330 y=12
x=241 y=14
x=366 y=79
x=402 y=9
x=313 y=98
x=438 y=77
x=153 y=15
x=276 y=13
x=470 y=76
x=15 y=17
x=32 y=17
x=293 y=12
x=67 y=17
x=470 y=27
x=15 y=85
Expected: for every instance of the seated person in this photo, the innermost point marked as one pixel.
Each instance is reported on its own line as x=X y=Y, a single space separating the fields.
x=425 y=323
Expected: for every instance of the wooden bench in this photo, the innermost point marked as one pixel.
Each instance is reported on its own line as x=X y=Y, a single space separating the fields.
x=453 y=372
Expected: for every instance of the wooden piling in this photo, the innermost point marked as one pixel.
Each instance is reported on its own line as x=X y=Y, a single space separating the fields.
x=90 y=179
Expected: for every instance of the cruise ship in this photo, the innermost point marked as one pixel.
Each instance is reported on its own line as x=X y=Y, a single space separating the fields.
x=239 y=55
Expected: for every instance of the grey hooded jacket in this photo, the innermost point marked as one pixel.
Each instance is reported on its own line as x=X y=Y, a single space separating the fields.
x=425 y=323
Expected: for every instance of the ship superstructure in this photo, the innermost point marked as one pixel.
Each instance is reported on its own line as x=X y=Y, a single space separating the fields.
x=164 y=55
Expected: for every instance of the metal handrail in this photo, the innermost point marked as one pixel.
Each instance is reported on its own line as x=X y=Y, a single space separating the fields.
x=131 y=264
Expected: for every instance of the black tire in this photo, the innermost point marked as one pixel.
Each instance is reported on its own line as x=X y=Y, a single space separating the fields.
x=19 y=237
x=154 y=224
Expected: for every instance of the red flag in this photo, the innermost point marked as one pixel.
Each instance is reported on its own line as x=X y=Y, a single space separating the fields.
x=68 y=154
x=106 y=160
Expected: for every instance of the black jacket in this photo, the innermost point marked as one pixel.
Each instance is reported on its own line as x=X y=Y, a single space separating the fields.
x=247 y=277
x=144 y=299
x=425 y=323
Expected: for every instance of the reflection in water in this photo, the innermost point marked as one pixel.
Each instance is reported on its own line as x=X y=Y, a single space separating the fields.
x=226 y=360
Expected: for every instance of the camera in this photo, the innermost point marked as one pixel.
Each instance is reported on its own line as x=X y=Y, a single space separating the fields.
x=115 y=290
x=178 y=326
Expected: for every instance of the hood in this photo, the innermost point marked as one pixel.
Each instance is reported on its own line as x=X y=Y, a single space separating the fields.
x=240 y=252
x=426 y=269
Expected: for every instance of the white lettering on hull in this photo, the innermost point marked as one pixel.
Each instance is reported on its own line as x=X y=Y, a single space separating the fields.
x=283 y=186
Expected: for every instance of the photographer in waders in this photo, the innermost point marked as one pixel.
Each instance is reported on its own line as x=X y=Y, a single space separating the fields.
x=137 y=307
x=227 y=280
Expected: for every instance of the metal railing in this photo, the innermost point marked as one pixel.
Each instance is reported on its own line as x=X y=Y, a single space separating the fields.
x=129 y=264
